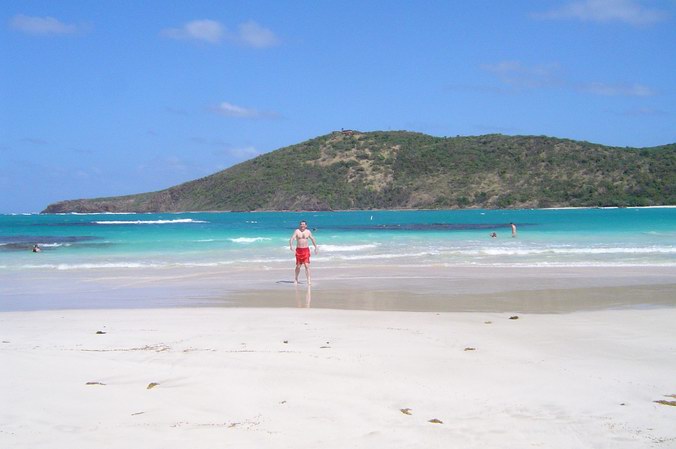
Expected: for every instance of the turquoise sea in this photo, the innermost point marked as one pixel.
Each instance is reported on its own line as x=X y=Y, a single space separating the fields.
x=549 y=237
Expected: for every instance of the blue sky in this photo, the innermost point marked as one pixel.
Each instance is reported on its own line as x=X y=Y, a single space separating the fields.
x=101 y=98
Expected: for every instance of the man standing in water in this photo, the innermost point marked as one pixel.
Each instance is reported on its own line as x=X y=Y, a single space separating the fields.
x=301 y=236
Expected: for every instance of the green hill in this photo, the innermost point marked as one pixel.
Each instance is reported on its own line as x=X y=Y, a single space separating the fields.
x=402 y=170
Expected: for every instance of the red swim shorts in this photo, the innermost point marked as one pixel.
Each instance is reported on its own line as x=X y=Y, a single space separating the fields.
x=302 y=255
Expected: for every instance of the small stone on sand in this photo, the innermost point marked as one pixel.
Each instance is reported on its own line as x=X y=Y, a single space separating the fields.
x=436 y=421
x=406 y=411
x=94 y=383
x=151 y=385
x=470 y=349
x=100 y=332
x=515 y=317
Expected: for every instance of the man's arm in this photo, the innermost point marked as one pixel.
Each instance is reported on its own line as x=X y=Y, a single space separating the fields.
x=312 y=239
x=293 y=237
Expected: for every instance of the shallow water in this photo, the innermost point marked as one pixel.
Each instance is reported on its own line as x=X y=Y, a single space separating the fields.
x=563 y=237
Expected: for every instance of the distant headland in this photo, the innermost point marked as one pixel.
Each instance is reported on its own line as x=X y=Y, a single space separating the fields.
x=349 y=170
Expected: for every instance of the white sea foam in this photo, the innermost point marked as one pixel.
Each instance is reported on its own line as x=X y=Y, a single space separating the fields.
x=97 y=213
x=206 y=264
x=249 y=239
x=122 y=265
x=544 y=264
x=91 y=266
x=384 y=256
x=270 y=260
x=144 y=222
x=579 y=251
x=339 y=248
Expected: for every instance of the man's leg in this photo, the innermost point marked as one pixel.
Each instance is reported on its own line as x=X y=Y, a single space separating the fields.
x=307 y=273
x=297 y=273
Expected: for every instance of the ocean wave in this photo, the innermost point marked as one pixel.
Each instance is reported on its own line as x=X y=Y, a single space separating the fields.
x=97 y=213
x=542 y=264
x=249 y=239
x=339 y=248
x=90 y=266
x=384 y=256
x=579 y=251
x=144 y=222
x=122 y=265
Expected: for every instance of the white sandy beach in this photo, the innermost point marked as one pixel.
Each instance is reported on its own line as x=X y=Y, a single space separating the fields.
x=306 y=378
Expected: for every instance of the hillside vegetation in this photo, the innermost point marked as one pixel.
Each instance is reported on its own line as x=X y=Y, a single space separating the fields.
x=406 y=170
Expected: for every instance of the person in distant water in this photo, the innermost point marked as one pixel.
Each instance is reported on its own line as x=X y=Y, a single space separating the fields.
x=36 y=248
x=301 y=236
x=513 y=229
x=494 y=235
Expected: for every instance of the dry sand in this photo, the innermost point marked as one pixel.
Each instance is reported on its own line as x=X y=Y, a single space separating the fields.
x=395 y=357
x=308 y=378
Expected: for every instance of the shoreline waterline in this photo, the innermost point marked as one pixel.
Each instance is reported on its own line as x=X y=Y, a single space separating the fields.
x=411 y=288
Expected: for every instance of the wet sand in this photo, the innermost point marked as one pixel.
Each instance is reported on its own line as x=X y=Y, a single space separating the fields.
x=439 y=288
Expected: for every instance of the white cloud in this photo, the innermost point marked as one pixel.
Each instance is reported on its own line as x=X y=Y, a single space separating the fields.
x=249 y=34
x=202 y=30
x=626 y=11
x=41 y=25
x=616 y=90
x=519 y=75
x=232 y=110
x=254 y=35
